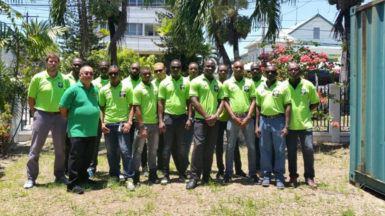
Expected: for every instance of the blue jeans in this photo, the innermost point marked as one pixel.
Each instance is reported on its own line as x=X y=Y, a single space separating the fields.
x=271 y=140
x=118 y=143
x=152 y=146
x=248 y=132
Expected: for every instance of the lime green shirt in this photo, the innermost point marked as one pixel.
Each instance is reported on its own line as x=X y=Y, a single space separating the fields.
x=147 y=99
x=175 y=93
x=83 y=110
x=99 y=82
x=224 y=116
x=71 y=78
x=272 y=100
x=47 y=91
x=208 y=94
x=116 y=102
x=132 y=82
x=239 y=94
x=301 y=98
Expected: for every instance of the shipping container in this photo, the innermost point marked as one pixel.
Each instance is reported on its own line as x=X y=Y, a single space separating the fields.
x=367 y=92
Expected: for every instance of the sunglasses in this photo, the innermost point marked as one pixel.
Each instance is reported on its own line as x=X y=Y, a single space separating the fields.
x=113 y=73
x=255 y=69
x=271 y=71
x=175 y=67
x=294 y=69
x=88 y=73
x=158 y=71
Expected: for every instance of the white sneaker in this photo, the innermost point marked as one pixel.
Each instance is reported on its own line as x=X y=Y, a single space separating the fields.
x=29 y=184
x=145 y=171
x=122 y=179
x=62 y=179
x=130 y=184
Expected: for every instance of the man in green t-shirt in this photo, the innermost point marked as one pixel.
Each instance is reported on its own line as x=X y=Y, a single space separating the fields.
x=304 y=99
x=115 y=100
x=145 y=105
x=173 y=100
x=80 y=105
x=44 y=94
x=99 y=82
x=73 y=76
x=239 y=98
x=272 y=125
x=206 y=96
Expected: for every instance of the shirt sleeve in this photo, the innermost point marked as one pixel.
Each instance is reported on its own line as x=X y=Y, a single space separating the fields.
x=220 y=92
x=102 y=98
x=194 y=89
x=314 y=98
x=286 y=95
x=137 y=97
x=33 y=87
x=67 y=99
x=162 y=91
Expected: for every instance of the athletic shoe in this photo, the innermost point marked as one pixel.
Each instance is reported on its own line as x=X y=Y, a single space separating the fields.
x=29 y=184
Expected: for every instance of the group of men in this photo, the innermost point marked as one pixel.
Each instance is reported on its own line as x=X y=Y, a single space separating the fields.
x=154 y=119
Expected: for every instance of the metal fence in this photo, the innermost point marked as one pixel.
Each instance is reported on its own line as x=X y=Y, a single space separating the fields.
x=345 y=108
x=320 y=121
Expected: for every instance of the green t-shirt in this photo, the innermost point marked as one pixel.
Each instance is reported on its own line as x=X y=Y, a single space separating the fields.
x=116 y=102
x=175 y=93
x=47 y=91
x=239 y=94
x=224 y=116
x=99 y=82
x=272 y=100
x=301 y=98
x=208 y=94
x=83 y=110
x=71 y=78
x=132 y=82
x=147 y=99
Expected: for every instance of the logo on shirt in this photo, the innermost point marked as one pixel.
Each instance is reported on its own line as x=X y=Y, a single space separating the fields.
x=275 y=93
x=216 y=88
x=94 y=94
x=122 y=94
x=60 y=85
x=182 y=86
x=246 y=88
x=303 y=91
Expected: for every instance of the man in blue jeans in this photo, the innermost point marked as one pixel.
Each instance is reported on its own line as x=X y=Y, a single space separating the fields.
x=272 y=125
x=304 y=99
x=115 y=100
x=239 y=98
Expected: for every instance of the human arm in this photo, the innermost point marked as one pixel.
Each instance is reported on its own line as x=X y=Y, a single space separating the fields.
x=189 y=115
x=162 y=126
x=285 y=130
x=257 y=117
x=63 y=112
x=142 y=128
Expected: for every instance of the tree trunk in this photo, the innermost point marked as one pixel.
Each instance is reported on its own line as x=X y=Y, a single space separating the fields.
x=83 y=21
x=116 y=36
x=112 y=48
x=345 y=58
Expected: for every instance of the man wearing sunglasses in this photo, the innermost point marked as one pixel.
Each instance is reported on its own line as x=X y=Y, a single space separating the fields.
x=115 y=100
x=272 y=125
x=304 y=99
x=173 y=99
x=99 y=82
x=80 y=105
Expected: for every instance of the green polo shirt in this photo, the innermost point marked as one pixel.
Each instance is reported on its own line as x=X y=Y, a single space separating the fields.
x=301 y=98
x=208 y=94
x=147 y=99
x=134 y=83
x=116 y=102
x=239 y=94
x=175 y=93
x=83 y=110
x=47 y=91
x=99 y=82
x=272 y=100
x=71 y=78
x=224 y=116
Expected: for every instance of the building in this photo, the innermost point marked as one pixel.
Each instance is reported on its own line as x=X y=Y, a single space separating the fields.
x=140 y=33
x=316 y=28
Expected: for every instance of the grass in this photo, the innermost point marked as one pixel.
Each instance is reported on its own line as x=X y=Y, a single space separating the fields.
x=335 y=196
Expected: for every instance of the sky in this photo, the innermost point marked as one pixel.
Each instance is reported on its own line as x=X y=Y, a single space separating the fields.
x=291 y=14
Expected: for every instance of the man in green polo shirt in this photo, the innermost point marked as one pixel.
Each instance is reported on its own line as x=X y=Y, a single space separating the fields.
x=115 y=100
x=145 y=105
x=99 y=82
x=304 y=99
x=73 y=76
x=239 y=97
x=80 y=105
x=173 y=99
x=206 y=96
x=44 y=94
x=272 y=125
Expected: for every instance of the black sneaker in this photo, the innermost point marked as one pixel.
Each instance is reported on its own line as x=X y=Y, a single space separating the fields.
x=76 y=190
x=193 y=183
x=256 y=180
x=182 y=179
x=241 y=174
x=293 y=182
x=226 y=179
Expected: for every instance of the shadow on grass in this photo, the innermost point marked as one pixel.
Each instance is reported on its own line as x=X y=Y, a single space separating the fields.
x=329 y=148
x=1 y=171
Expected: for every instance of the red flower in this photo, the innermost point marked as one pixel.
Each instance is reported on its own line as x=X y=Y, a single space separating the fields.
x=7 y=134
x=305 y=59
x=322 y=55
x=331 y=66
x=335 y=124
x=336 y=71
x=319 y=94
x=324 y=100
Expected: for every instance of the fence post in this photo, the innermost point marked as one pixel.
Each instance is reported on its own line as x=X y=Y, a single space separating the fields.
x=334 y=111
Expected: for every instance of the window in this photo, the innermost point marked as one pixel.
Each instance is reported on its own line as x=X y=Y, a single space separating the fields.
x=135 y=2
x=149 y=30
x=316 y=33
x=134 y=29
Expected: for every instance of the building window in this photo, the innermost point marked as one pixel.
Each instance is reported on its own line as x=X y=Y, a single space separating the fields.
x=134 y=29
x=149 y=30
x=316 y=33
x=135 y=2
